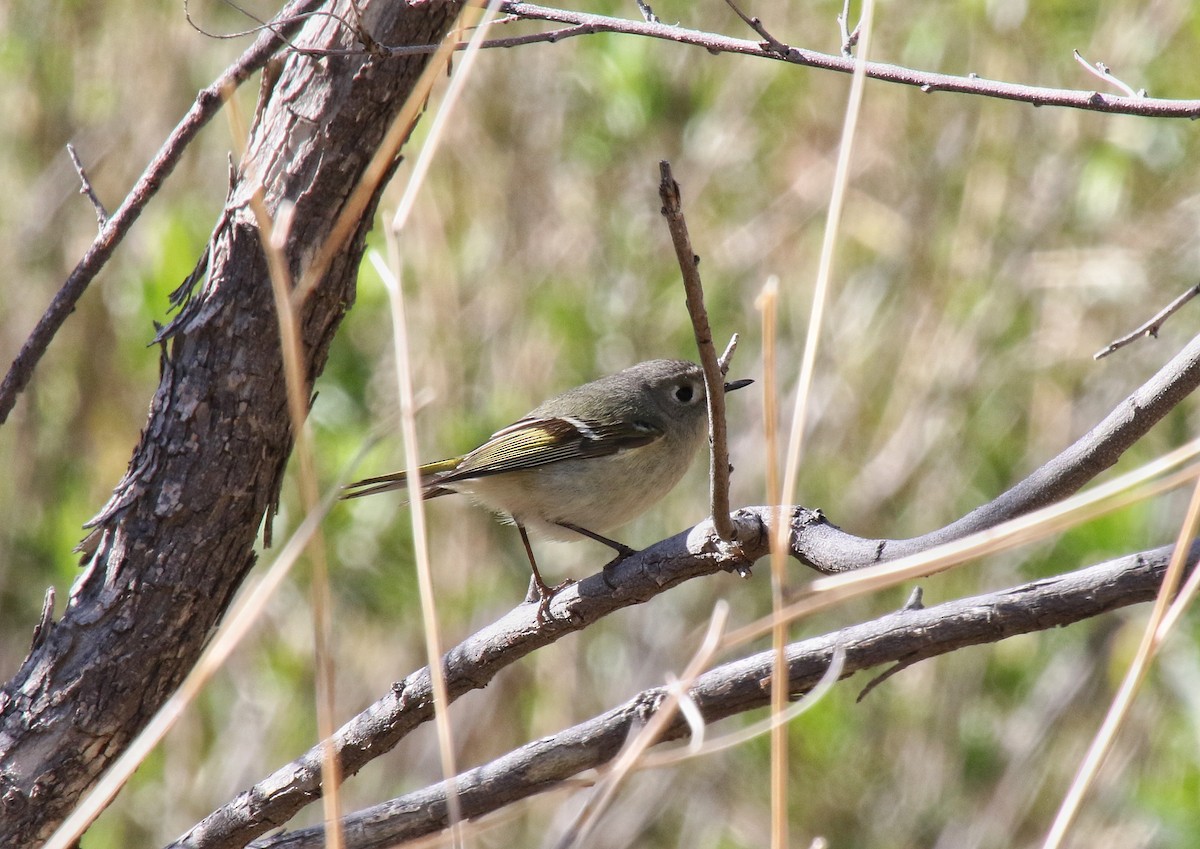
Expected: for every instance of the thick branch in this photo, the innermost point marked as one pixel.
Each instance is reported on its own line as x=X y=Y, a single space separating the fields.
x=173 y=544
x=471 y=665
x=113 y=228
x=904 y=637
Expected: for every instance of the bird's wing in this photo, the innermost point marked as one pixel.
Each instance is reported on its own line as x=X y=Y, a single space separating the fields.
x=399 y=480
x=536 y=442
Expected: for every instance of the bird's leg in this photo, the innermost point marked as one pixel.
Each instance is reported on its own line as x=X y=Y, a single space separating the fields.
x=539 y=588
x=622 y=550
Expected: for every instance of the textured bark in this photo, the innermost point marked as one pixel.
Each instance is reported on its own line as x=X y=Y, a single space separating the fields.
x=175 y=541
x=902 y=638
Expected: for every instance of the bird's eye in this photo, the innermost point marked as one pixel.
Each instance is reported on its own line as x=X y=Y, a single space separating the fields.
x=685 y=393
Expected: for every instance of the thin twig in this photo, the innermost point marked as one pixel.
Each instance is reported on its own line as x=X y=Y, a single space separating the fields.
x=549 y=37
x=647 y=13
x=769 y=41
x=583 y=23
x=924 y=80
x=85 y=187
x=672 y=210
x=276 y=24
x=849 y=38
x=898 y=666
x=207 y=102
x=1151 y=327
x=1105 y=73
x=726 y=358
x=370 y=45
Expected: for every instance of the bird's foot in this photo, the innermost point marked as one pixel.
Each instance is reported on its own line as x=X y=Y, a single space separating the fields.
x=544 y=593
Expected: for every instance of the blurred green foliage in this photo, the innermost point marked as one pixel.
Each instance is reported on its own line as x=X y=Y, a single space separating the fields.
x=987 y=249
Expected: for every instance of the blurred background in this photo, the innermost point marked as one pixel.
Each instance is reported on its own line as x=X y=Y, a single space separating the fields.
x=988 y=249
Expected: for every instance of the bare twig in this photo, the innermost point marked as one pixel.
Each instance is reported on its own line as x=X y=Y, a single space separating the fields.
x=733 y=688
x=1151 y=327
x=924 y=80
x=898 y=666
x=647 y=13
x=1105 y=73
x=1065 y=474
x=85 y=187
x=207 y=102
x=582 y=23
x=726 y=358
x=849 y=38
x=277 y=25
x=548 y=37
x=672 y=210
x=769 y=41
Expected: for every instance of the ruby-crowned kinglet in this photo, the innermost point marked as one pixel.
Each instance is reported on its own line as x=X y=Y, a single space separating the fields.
x=584 y=462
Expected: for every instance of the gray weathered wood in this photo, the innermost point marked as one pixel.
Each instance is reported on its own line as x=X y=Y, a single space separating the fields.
x=176 y=539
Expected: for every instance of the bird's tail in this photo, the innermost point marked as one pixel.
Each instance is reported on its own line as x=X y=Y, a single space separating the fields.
x=399 y=480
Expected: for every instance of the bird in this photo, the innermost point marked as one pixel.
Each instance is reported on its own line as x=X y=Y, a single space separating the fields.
x=581 y=463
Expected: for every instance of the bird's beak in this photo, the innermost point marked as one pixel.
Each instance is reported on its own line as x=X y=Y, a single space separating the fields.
x=737 y=384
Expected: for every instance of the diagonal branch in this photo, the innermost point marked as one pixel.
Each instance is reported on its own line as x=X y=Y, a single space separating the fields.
x=471 y=665
x=173 y=544
x=828 y=550
x=1151 y=327
x=692 y=554
x=114 y=228
x=907 y=636
x=583 y=23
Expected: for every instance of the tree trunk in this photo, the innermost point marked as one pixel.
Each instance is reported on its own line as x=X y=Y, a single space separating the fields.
x=173 y=544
